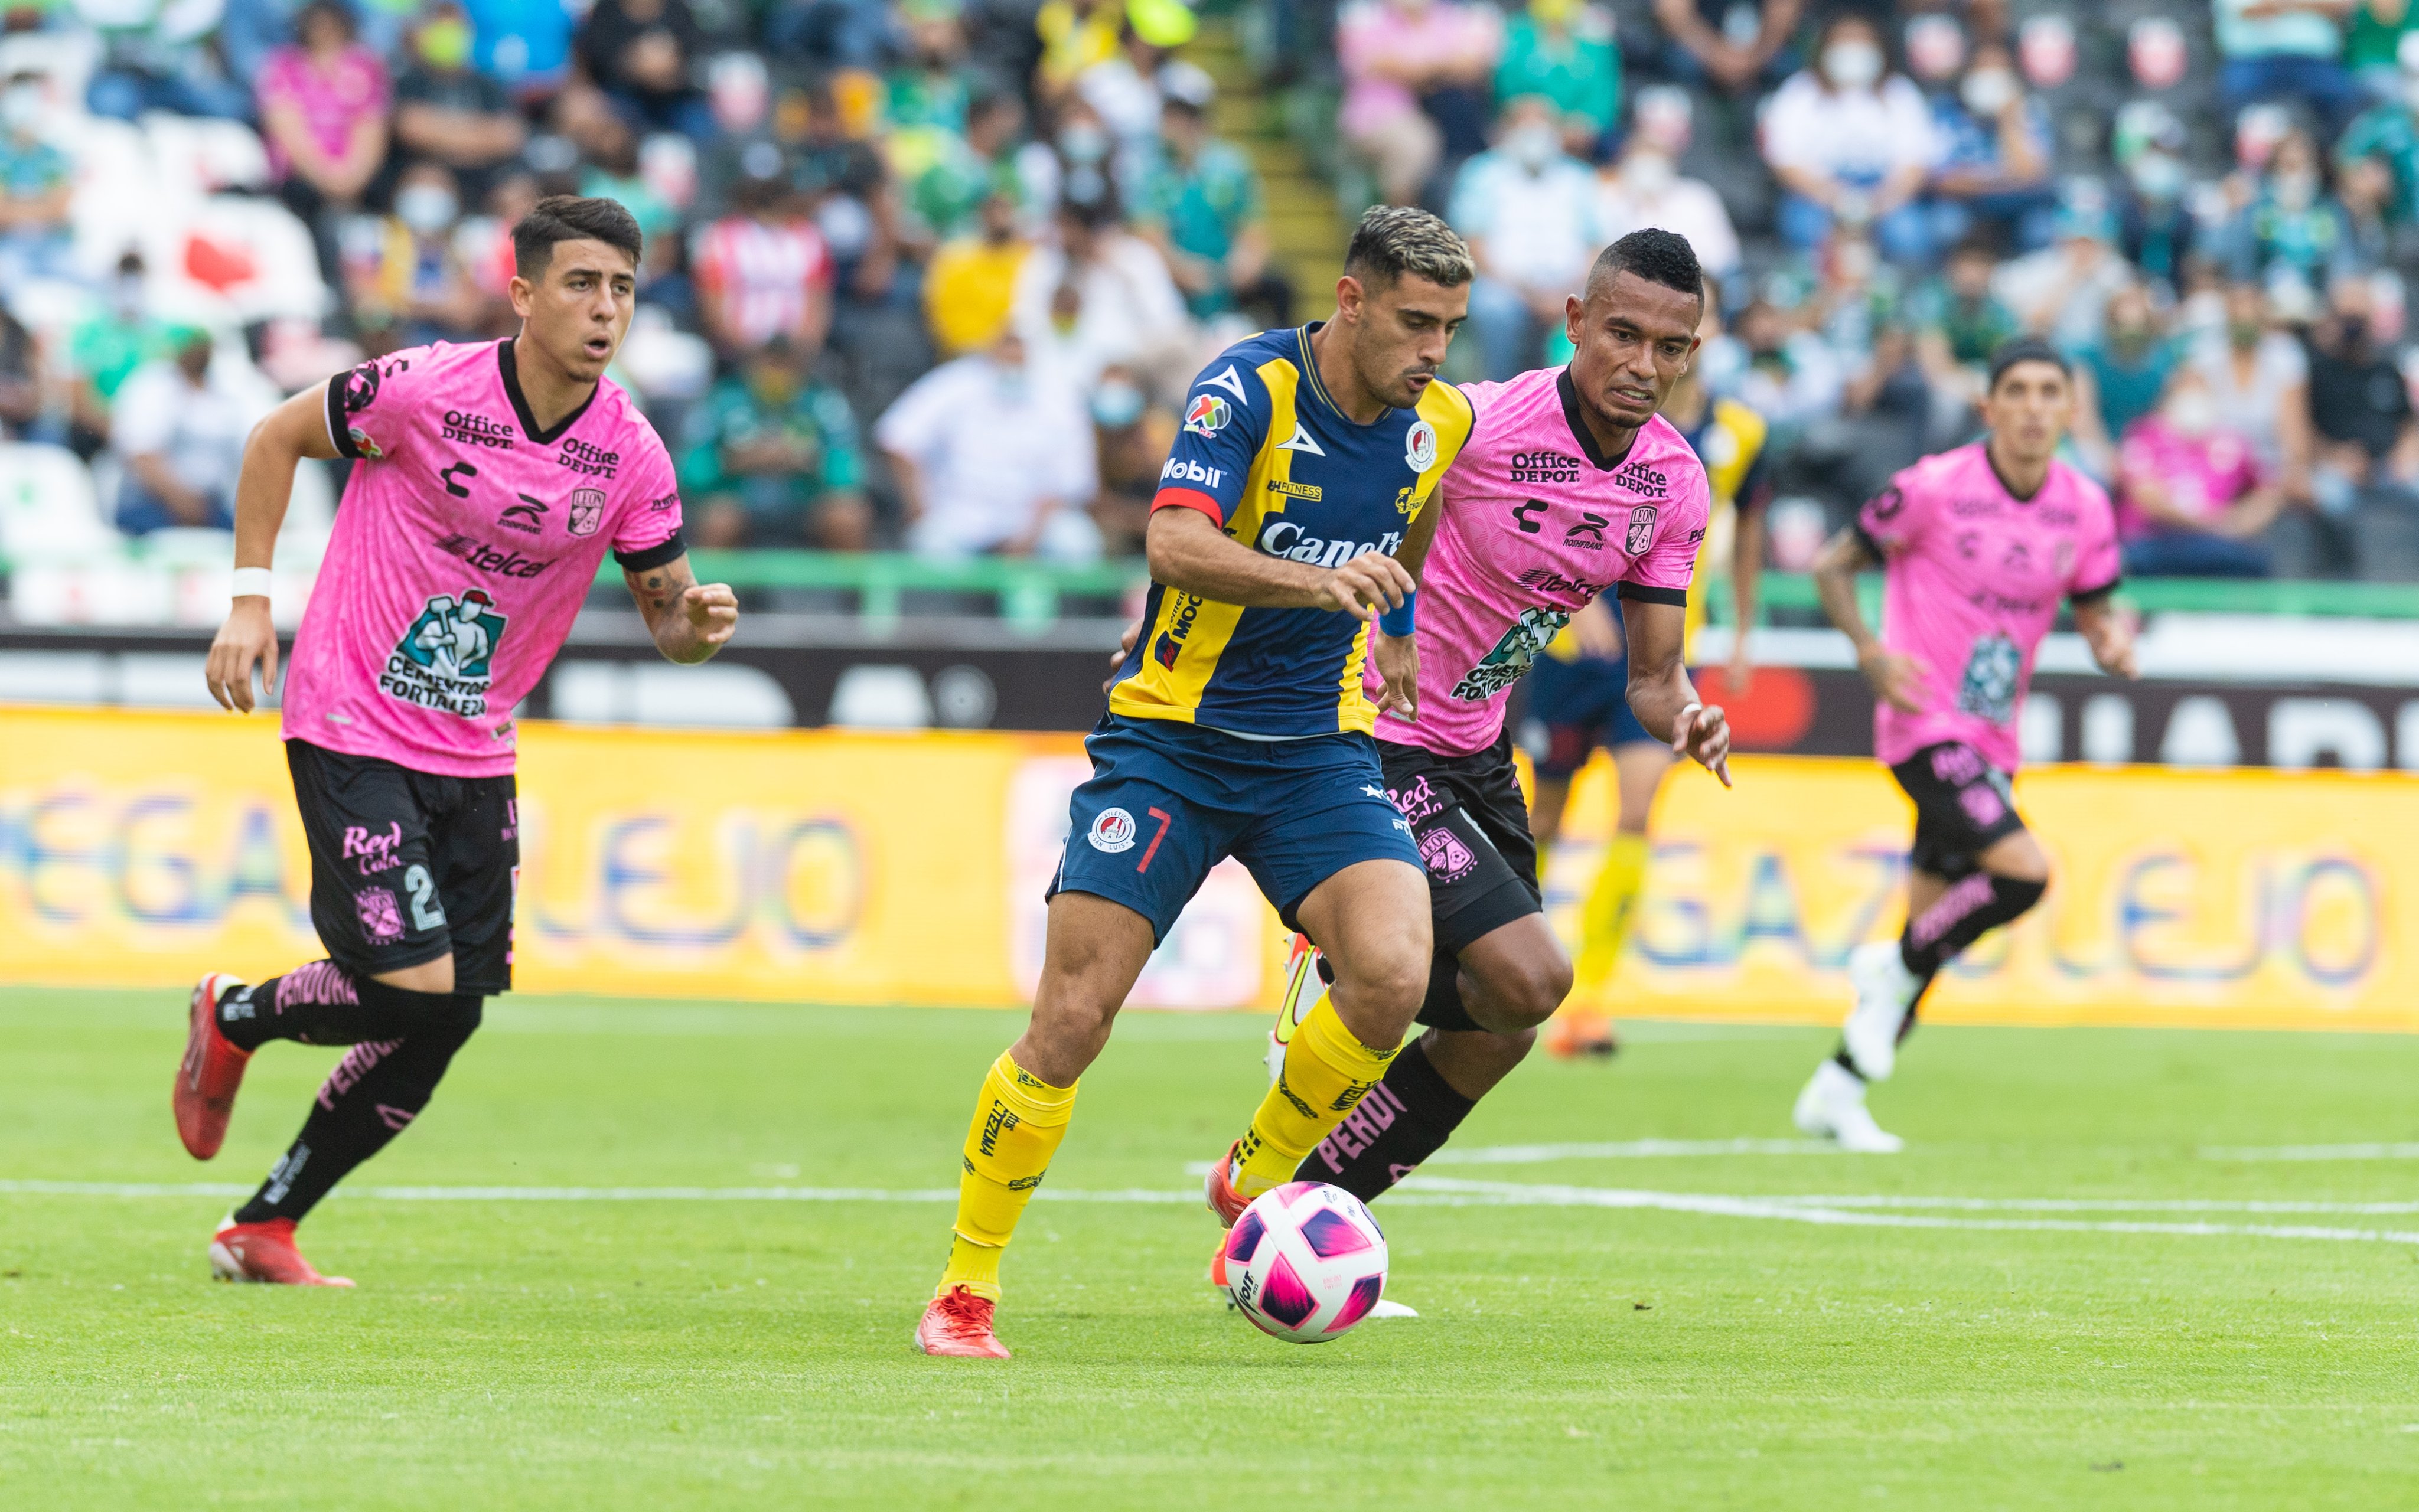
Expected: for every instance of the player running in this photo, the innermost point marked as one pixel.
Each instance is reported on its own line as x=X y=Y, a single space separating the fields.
x=1579 y=694
x=1238 y=727
x=488 y=482
x=1977 y=545
x=1572 y=485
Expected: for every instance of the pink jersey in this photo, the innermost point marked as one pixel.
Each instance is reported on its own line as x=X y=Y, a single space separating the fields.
x=466 y=543
x=1971 y=583
x=1537 y=523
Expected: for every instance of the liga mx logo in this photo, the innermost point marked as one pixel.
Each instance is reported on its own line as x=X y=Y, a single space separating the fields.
x=1641 y=530
x=587 y=512
x=1208 y=415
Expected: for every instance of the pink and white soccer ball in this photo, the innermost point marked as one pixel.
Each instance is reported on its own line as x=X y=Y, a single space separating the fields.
x=1305 y=1262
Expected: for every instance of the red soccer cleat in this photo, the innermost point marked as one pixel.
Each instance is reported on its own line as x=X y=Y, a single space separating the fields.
x=263 y=1252
x=1576 y=1032
x=210 y=1073
x=1218 y=1189
x=958 y=1325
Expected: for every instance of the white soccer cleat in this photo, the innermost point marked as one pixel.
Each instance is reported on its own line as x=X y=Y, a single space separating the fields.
x=1885 y=991
x=1832 y=1107
x=1302 y=990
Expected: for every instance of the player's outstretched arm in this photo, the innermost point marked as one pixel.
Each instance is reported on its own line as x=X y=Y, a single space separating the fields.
x=1898 y=680
x=1190 y=553
x=1661 y=693
x=294 y=430
x=2109 y=632
x=690 y=620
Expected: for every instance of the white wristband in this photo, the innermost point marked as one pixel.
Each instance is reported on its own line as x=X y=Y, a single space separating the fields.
x=1680 y=721
x=251 y=583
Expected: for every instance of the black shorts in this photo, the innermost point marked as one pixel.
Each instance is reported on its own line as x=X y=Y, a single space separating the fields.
x=407 y=866
x=1472 y=825
x=1963 y=806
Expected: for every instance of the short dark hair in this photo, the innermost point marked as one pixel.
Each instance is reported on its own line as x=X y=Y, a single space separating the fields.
x=2025 y=349
x=1395 y=239
x=573 y=218
x=1656 y=256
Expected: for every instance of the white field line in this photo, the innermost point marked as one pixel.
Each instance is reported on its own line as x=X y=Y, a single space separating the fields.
x=1420 y=1191
x=1535 y=1154
x=2313 y=1152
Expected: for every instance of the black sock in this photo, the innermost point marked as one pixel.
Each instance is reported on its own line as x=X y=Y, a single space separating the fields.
x=323 y=1003
x=374 y=1092
x=1404 y=1119
x=1973 y=906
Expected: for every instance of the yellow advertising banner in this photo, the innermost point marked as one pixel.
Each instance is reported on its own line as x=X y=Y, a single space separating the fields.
x=142 y=850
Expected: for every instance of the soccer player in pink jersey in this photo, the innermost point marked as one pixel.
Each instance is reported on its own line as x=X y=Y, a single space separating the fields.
x=1571 y=486
x=488 y=482
x=1977 y=547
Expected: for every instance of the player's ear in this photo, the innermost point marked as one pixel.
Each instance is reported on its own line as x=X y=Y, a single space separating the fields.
x=1574 y=317
x=522 y=292
x=1349 y=295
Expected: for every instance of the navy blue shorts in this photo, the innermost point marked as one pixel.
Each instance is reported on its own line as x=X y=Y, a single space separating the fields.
x=1580 y=703
x=1169 y=801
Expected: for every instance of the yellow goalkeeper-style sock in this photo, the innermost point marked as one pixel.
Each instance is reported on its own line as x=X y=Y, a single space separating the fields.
x=1019 y=1120
x=1604 y=921
x=1326 y=1072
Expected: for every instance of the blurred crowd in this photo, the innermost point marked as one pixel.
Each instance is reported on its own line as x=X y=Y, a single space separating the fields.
x=933 y=274
x=2210 y=207
x=921 y=273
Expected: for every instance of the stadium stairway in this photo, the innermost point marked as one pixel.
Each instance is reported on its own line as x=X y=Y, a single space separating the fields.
x=1308 y=234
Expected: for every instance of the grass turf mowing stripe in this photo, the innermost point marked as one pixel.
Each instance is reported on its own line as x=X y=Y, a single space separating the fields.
x=2314 y=1152
x=1851 y=1211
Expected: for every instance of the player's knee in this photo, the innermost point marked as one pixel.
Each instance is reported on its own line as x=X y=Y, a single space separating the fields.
x=2017 y=896
x=1388 y=984
x=1529 y=995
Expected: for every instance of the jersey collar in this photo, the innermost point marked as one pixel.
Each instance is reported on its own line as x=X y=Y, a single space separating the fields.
x=504 y=365
x=1579 y=432
x=2001 y=479
x=1307 y=360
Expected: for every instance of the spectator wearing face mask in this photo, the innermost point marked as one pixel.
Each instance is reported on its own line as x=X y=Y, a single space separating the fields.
x=178 y=434
x=1567 y=52
x=2120 y=376
x=1126 y=308
x=2292 y=225
x=1529 y=212
x=2389 y=129
x=450 y=113
x=2155 y=230
x=943 y=198
x=1738 y=46
x=993 y=454
x=770 y=457
x=1134 y=435
x=2191 y=498
x=2284 y=50
x=104 y=348
x=1958 y=323
x=1994 y=171
x=1201 y=206
x=2259 y=379
x=1643 y=187
x=37 y=181
x=1852 y=145
x=1402 y=60
x=2367 y=442
x=2062 y=291
x=405 y=284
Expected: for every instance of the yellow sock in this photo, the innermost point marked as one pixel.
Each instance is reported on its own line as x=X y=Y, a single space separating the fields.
x=1604 y=921
x=1018 y=1122
x=1326 y=1072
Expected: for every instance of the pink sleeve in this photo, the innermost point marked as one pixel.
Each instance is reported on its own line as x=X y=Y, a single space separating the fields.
x=380 y=94
x=276 y=81
x=1897 y=516
x=2097 y=567
x=1666 y=568
x=649 y=531
x=368 y=409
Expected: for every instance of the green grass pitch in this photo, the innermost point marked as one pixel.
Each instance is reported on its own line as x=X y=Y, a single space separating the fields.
x=2138 y=1346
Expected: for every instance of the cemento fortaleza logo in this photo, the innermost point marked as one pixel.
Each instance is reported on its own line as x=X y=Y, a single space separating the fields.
x=1501 y=667
x=444 y=659
x=1208 y=415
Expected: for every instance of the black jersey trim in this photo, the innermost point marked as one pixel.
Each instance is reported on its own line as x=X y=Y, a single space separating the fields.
x=2009 y=488
x=1872 y=547
x=2094 y=595
x=1576 y=420
x=670 y=550
x=506 y=365
x=1645 y=594
x=332 y=406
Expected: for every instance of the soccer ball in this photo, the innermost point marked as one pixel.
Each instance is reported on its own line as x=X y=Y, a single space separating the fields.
x=1305 y=1262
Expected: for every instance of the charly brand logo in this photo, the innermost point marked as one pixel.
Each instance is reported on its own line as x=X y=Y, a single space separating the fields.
x=1420 y=447
x=1113 y=831
x=445 y=659
x=587 y=512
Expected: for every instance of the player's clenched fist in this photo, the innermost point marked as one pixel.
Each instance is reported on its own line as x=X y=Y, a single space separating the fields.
x=713 y=611
x=1366 y=586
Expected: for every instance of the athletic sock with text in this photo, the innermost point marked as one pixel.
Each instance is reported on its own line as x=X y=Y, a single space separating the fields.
x=1019 y=1119
x=1326 y=1072
x=1406 y=1117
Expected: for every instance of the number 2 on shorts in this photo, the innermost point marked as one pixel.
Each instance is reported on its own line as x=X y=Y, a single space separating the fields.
x=426 y=912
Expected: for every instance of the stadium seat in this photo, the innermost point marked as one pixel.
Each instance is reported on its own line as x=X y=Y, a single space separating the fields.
x=195 y=156
x=49 y=511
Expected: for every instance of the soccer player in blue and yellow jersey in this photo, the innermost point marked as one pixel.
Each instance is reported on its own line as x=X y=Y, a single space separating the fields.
x=1579 y=694
x=1237 y=726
